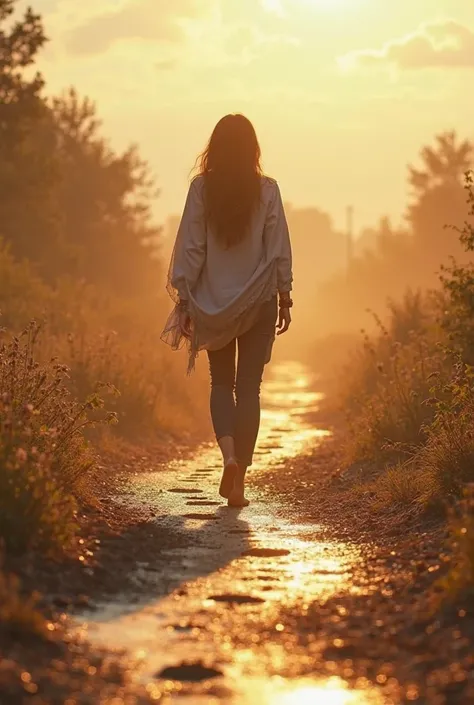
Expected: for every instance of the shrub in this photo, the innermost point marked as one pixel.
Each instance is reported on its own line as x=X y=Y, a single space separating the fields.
x=152 y=394
x=107 y=338
x=387 y=383
x=448 y=454
x=22 y=294
x=44 y=459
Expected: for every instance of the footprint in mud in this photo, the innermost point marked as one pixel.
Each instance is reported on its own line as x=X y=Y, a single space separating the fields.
x=183 y=490
x=203 y=517
x=189 y=672
x=266 y=552
x=237 y=599
x=199 y=503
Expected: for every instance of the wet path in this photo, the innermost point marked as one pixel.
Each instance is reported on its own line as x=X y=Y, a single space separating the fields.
x=204 y=634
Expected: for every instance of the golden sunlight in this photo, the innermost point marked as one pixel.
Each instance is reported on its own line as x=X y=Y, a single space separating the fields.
x=326 y=4
x=283 y=6
x=332 y=692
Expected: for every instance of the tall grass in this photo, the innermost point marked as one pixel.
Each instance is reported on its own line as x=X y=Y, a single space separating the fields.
x=45 y=461
x=114 y=341
x=410 y=389
x=389 y=378
x=151 y=395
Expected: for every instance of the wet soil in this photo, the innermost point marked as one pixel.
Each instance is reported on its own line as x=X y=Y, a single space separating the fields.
x=305 y=597
x=405 y=627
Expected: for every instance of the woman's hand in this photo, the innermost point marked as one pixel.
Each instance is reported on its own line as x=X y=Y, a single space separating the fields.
x=284 y=320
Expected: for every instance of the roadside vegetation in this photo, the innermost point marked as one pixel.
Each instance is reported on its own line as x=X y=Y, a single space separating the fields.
x=82 y=305
x=409 y=403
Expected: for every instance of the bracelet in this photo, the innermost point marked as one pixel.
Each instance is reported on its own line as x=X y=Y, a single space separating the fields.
x=286 y=303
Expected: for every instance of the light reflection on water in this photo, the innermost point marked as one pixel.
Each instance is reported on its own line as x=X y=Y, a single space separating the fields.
x=314 y=569
x=334 y=691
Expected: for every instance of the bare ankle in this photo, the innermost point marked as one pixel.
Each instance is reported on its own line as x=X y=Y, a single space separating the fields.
x=227 y=446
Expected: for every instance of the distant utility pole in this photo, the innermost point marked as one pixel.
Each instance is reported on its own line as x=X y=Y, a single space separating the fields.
x=350 y=234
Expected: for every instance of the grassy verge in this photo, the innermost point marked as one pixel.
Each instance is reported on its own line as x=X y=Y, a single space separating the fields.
x=408 y=398
x=53 y=526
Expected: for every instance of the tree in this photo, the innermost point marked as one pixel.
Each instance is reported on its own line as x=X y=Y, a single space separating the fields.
x=19 y=45
x=28 y=174
x=104 y=201
x=438 y=196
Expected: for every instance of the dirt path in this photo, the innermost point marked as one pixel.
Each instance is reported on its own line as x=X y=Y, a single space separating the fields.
x=213 y=623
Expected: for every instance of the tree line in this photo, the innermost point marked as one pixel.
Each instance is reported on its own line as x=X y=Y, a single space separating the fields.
x=69 y=204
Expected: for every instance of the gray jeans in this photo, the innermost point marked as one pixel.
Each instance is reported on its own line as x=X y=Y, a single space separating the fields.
x=239 y=415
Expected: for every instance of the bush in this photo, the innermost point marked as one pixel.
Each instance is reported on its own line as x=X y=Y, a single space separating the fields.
x=23 y=295
x=151 y=394
x=411 y=390
x=44 y=459
x=102 y=337
x=389 y=378
x=448 y=454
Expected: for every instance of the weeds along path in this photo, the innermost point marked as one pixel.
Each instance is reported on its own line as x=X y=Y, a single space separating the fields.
x=213 y=627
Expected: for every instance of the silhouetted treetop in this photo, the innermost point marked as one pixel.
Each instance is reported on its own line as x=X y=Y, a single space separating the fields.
x=20 y=42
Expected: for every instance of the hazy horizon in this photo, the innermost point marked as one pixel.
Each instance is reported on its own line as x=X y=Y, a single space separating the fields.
x=343 y=94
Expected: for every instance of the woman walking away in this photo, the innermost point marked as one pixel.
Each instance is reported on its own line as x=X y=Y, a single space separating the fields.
x=231 y=277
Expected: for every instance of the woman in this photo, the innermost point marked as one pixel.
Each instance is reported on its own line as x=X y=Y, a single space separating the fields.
x=230 y=273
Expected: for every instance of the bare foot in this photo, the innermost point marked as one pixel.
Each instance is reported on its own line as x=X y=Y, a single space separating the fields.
x=228 y=476
x=237 y=496
x=238 y=499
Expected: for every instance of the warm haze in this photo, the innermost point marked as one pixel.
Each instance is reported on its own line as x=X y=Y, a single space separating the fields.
x=342 y=92
x=293 y=522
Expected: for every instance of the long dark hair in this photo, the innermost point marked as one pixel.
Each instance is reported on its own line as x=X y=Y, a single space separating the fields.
x=230 y=165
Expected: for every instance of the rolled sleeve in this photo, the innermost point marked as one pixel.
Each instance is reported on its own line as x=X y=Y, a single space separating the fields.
x=277 y=236
x=191 y=243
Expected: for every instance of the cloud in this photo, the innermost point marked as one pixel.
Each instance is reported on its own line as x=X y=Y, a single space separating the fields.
x=447 y=44
x=154 y=20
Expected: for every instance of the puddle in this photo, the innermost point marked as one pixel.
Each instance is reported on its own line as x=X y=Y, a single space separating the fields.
x=238 y=570
x=334 y=691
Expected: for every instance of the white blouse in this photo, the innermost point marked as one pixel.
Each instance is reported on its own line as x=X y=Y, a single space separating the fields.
x=226 y=287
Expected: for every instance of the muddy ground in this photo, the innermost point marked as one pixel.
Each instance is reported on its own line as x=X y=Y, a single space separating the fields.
x=306 y=597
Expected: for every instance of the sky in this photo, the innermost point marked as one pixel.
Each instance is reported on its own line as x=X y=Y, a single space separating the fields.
x=343 y=93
